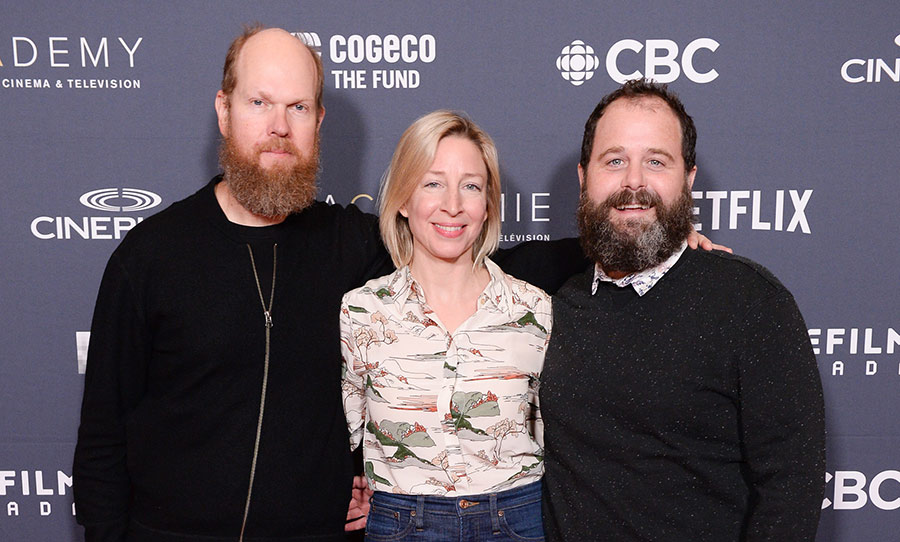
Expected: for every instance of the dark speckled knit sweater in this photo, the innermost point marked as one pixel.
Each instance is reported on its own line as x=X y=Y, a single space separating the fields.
x=694 y=413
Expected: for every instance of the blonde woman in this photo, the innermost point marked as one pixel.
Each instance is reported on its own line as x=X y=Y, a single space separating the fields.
x=442 y=358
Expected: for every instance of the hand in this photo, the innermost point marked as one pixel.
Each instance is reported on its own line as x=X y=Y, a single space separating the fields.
x=359 y=504
x=695 y=240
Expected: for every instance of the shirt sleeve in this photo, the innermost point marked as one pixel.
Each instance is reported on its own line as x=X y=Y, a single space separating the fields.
x=352 y=385
x=114 y=384
x=782 y=422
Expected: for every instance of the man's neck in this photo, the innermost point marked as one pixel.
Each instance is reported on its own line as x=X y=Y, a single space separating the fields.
x=237 y=213
x=616 y=275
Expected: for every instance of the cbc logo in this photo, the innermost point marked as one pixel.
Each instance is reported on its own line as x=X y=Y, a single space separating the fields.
x=850 y=491
x=662 y=63
x=139 y=199
x=577 y=62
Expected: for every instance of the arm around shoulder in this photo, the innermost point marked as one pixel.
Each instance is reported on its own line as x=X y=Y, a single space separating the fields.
x=546 y=264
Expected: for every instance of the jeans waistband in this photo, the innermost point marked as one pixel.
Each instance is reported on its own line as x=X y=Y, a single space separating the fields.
x=463 y=504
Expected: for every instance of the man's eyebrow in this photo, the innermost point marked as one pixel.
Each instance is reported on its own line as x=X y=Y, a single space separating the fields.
x=617 y=148
x=653 y=150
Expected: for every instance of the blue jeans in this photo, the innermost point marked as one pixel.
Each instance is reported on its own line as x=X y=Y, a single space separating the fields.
x=507 y=516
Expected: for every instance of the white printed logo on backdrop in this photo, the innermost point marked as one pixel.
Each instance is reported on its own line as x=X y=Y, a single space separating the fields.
x=857 y=352
x=852 y=490
x=378 y=61
x=70 y=62
x=108 y=200
x=661 y=60
x=577 y=62
x=872 y=70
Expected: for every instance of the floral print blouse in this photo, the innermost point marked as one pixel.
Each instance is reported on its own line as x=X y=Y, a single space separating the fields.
x=445 y=413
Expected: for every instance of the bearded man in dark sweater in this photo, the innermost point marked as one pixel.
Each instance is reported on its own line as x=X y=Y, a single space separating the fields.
x=680 y=395
x=212 y=408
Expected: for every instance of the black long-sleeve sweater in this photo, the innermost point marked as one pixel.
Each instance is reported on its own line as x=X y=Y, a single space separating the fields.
x=693 y=413
x=173 y=383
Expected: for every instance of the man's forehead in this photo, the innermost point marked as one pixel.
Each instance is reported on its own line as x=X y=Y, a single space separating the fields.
x=274 y=53
x=272 y=44
x=654 y=104
x=661 y=116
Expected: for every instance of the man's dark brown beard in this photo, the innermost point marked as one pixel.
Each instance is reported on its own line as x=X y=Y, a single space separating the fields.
x=272 y=192
x=636 y=246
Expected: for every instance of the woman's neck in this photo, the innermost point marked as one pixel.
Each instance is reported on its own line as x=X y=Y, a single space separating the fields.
x=451 y=288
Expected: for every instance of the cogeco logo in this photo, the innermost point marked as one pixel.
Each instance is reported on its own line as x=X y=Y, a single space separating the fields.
x=850 y=492
x=663 y=61
x=870 y=70
x=113 y=200
x=376 y=49
x=373 y=49
x=310 y=38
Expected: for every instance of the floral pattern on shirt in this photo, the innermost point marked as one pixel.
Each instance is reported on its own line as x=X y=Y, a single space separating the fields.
x=441 y=413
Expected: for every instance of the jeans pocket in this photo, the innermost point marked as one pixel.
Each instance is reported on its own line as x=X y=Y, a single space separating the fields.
x=523 y=522
x=385 y=523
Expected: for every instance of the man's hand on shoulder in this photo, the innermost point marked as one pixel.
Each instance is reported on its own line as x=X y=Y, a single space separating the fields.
x=696 y=239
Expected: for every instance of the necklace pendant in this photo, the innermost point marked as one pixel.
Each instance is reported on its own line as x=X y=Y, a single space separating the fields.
x=268 y=319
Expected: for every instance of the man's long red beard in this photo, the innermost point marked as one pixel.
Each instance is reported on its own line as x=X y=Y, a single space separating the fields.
x=275 y=191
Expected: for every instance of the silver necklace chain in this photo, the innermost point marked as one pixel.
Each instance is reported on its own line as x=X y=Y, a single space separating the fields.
x=267 y=312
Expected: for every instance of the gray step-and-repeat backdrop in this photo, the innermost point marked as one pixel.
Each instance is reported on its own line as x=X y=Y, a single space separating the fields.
x=106 y=116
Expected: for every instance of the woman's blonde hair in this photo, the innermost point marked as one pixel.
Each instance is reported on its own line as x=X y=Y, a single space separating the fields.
x=413 y=156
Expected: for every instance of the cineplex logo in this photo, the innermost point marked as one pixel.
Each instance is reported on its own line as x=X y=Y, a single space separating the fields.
x=872 y=70
x=857 y=351
x=375 y=61
x=110 y=200
x=33 y=62
x=31 y=493
x=661 y=59
x=848 y=490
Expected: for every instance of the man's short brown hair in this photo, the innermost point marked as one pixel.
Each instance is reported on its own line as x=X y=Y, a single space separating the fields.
x=637 y=89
